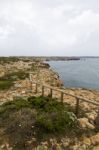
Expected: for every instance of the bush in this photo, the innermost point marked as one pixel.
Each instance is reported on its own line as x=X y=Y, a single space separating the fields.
x=15 y=76
x=58 y=121
x=5 y=84
x=7 y=60
x=37 y=102
x=47 y=104
x=14 y=105
x=51 y=115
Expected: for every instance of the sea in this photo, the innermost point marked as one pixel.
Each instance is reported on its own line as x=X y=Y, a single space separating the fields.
x=83 y=73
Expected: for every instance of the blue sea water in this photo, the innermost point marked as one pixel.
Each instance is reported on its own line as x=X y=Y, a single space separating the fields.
x=82 y=73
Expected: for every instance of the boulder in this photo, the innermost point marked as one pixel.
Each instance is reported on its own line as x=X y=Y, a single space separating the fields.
x=91 y=116
x=57 y=147
x=6 y=146
x=75 y=147
x=84 y=123
x=41 y=147
x=96 y=148
x=23 y=92
x=85 y=106
x=65 y=142
x=87 y=141
x=95 y=139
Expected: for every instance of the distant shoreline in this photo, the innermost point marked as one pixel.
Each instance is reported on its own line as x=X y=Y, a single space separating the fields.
x=51 y=58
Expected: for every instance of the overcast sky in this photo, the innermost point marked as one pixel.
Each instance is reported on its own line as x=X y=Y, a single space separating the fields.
x=49 y=27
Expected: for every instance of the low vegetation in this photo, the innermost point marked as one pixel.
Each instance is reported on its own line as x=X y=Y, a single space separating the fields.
x=22 y=119
x=15 y=76
x=7 y=81
x=51 y=115
x=4 y=85
x=4 y=60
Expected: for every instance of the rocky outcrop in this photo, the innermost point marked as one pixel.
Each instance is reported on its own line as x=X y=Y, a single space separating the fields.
x=44 y=75
x=44 y=65
x=85 y=124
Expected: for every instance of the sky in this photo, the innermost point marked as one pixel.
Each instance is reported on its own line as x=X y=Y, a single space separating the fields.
x=49 y=27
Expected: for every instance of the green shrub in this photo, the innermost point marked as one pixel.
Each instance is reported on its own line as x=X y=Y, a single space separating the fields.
x=47 y=104
x=37 y=102
x=56 y=121
x=15 y=76
x=18 y=103
x=51 y=115
x=14 y=105
x=4 y=60
x=5 y=84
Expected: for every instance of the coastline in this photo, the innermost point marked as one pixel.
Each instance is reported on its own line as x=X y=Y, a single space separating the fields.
x=43 y=74
x=84 y=93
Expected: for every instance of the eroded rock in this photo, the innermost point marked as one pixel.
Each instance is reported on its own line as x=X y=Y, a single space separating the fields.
x=84 y=123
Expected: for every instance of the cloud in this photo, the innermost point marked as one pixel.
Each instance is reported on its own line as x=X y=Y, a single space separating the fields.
x=44 y=27
x=84 y=25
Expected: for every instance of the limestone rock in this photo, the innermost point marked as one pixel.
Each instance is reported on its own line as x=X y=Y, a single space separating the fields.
x=41 y=147
x=84 y=123
x=90 y=126
x=53 y=142
x=6 y=146
x=91 y=116
x=96 y=148
x=75 y=147
x=23 y=92
x=85 y=106
x=95 y=139
x=45 y=143
x=65 y=142
x=87 y=141
x=57 y=147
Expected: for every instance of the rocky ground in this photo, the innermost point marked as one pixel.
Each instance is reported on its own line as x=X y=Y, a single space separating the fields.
x=88 y=114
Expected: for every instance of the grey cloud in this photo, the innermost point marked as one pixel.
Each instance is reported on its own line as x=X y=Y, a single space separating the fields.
x=43 y=27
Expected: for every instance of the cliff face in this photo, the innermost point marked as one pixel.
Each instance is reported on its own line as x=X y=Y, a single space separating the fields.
x=47 y=76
